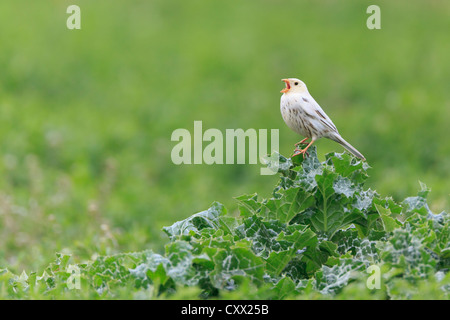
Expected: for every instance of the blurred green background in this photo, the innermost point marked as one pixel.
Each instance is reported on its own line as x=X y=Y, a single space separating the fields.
x=86 y=116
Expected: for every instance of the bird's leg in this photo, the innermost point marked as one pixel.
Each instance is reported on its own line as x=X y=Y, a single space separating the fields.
x=301 y=142
x=304 y=151
x=297 y=150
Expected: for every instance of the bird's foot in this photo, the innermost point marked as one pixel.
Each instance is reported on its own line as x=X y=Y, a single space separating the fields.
x=300 y=151
x=304 y=151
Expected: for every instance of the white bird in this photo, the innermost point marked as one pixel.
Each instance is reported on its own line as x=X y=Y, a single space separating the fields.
x=304 y=115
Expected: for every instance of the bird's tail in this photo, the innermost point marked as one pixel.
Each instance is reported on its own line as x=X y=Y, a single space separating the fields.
x=347 y=146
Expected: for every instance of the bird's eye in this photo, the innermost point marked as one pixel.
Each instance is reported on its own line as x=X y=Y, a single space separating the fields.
x=296 y=83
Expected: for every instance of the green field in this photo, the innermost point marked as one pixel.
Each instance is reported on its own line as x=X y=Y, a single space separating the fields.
x=86 y=116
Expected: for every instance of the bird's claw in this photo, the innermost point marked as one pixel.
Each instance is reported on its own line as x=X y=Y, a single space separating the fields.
x=300 y=151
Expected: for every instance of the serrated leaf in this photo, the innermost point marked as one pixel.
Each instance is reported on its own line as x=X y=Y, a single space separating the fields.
x=283 y=288
x=263 y=234
x=299 y=241
x=248 y=204
x=389 y=223
x=236 y=262
x=291 y=202
x=329 y=214
x=210 y=218
x=344 y=186
x=348 y=166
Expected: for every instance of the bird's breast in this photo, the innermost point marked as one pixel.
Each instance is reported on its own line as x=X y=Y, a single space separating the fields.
x=294 y=116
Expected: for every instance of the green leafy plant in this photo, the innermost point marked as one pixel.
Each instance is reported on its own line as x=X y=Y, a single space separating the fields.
x=316 y=237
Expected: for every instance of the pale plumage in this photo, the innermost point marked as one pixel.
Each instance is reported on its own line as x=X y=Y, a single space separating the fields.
x=304 y=115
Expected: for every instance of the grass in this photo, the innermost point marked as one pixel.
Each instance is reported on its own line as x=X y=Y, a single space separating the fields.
x=86 y=116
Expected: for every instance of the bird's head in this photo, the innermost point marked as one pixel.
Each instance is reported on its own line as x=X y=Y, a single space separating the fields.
x=294 y=85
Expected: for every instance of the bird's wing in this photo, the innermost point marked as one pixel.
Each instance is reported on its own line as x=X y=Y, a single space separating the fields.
x=317 y=111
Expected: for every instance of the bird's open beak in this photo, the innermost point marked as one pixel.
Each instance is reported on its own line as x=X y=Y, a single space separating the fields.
x=288 y=86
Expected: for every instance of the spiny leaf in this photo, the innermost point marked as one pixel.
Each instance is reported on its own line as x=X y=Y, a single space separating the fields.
x=210 y=218
x=389 y=223
x=291 y=202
